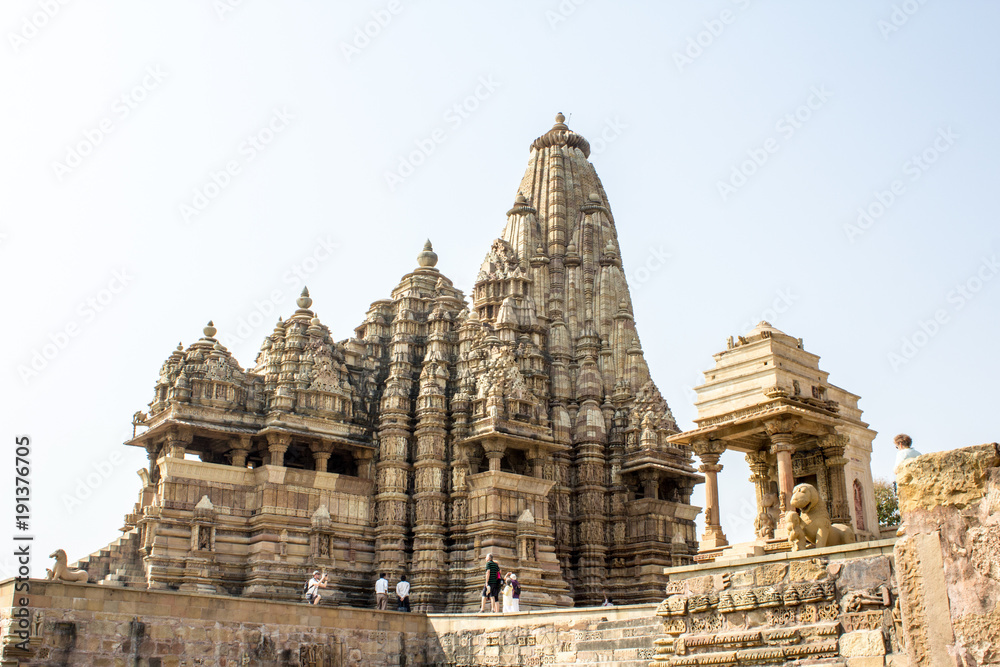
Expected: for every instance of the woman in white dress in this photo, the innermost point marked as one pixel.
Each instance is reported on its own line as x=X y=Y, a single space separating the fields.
x=508 y=594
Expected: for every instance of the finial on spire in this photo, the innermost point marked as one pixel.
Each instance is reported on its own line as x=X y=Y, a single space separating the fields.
x=210 y=330
x=304 y=301
x=560 y=118
x=428 y=258
x=520 y=199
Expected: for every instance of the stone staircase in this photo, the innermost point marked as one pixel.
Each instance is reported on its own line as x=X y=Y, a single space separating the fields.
x=623 y=643
x=117 y=564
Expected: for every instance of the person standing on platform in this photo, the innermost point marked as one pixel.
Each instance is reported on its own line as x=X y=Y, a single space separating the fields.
x=515 y=594
x=381 y=592
x=493 y=581
x=507 y=593
x=403 y=593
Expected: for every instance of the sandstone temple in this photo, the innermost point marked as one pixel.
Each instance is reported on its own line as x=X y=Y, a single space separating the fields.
x=519 y=420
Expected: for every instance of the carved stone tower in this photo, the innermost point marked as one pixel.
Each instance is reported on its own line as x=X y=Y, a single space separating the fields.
x=525 y=424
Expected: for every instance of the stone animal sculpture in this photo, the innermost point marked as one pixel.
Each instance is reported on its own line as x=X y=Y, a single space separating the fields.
x=810 y=522
x=61 y=572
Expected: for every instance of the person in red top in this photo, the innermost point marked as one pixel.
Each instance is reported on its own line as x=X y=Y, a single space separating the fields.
x=493 y=581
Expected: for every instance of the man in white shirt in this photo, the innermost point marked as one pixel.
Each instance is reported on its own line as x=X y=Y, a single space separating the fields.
x=313 y=586
x=905 y=451
x=403 y=593
x=381 y=592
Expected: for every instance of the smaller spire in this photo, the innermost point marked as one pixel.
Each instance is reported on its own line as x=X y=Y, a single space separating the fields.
x=428 y=258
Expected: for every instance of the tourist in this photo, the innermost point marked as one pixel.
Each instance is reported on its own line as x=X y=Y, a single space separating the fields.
x=313 y=586
x=485 y=598
x=903 y=444
x=493 y=581
x=515 y=594
x=403 y=593
x=607 y=602
x=381 y=592
x=507 y=593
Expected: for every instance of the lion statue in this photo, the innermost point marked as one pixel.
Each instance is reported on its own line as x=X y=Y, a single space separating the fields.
x=61 y=572
x=809 y=523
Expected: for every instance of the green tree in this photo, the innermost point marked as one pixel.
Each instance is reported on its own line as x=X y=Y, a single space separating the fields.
x=886 y=502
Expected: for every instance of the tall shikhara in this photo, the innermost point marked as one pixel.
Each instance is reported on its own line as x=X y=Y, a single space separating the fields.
x=525 y=424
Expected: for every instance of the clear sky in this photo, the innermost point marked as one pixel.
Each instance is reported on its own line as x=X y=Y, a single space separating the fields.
x=830 y=167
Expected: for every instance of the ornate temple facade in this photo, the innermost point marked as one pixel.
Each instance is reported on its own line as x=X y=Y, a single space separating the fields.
x=522 y=422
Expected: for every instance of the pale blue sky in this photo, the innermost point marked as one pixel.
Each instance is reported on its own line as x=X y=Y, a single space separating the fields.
x=198 y=81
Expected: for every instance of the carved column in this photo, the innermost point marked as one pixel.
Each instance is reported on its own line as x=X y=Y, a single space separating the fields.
x=833 y=450
x=760 y=471
x=709 y=452
x=429 y=484
x=321 y=452
x=494 y=452
x=782 y=434
x=277 y=445
x=177 y=441
x=238 y=454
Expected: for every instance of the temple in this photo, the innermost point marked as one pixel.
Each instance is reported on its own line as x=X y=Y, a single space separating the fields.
x=523 y=423
x=520 y=420
x=767 y=398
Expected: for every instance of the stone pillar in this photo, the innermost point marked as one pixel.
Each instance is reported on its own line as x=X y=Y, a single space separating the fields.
x=833 y=450
x=153 y=453
x=277 y=445
x=709 y=452
x=238 y=454
x=430 y=473
x=782 y=433
x=650 y=483
x=321 y=452
x=764 y=524
x=177 y=441
x=494 y=452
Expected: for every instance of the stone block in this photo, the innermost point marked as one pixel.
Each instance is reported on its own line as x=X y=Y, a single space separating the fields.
x=870 y=661
x=864 y=573
x=862 y=643
x=811 y=569
x=769 y=575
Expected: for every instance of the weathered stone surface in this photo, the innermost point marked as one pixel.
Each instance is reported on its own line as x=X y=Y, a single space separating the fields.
x=862 y=643
x=947 y=563
x=864 y=573
x=807 y=570
x=768 y=575
x=951 y=478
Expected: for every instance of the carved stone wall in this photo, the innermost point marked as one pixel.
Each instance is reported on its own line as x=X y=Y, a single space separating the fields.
x=839 y=602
